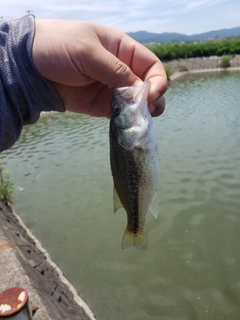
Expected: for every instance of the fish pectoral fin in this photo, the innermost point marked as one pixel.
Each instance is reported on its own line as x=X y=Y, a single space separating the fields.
x=132 y=239
x=154 y=205
x=116 y=201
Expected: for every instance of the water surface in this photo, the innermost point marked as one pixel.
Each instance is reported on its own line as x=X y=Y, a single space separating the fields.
x=192 y=265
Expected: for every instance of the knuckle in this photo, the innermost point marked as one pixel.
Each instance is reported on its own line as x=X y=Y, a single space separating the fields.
x=121 y=68
x=120 y=72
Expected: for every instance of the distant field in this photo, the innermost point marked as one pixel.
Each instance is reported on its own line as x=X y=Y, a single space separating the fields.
x=177 y=50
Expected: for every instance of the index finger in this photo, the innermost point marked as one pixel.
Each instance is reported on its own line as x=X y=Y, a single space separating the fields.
x=146 y=66
x=143 y=63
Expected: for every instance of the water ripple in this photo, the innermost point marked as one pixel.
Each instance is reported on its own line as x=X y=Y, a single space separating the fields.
x=191 y=268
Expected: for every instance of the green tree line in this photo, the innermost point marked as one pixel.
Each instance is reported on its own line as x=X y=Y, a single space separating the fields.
x=177 y=50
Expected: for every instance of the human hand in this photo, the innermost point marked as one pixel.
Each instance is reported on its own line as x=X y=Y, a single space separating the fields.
x=84 y=61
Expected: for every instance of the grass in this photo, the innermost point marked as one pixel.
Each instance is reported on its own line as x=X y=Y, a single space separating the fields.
x=168 y=70
x=6 y=186
x=225 y=62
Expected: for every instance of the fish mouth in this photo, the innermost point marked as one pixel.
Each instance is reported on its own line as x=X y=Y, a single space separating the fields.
x=132 y=95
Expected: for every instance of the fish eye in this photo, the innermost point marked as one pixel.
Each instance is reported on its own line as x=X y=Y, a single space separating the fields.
x=115 y=110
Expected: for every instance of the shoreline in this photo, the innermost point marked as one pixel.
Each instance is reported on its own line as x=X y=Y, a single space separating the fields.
x=181 y=67
x=25 y=263
x=179 y=74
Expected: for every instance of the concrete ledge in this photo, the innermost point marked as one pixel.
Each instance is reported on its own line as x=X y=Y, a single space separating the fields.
x=180 y=74
x=180 y=67
x=25 y=263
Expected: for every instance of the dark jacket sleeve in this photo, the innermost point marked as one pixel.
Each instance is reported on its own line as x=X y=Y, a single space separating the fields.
x=24 y=93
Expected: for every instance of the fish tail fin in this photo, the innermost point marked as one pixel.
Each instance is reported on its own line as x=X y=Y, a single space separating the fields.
x=134 y=239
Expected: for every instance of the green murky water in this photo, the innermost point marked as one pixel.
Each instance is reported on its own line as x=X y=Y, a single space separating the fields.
x=191 y=269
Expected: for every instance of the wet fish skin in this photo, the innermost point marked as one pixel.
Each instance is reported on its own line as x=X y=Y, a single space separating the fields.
x=134 y=160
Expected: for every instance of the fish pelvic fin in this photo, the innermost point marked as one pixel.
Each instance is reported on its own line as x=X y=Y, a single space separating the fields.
x=134 y=239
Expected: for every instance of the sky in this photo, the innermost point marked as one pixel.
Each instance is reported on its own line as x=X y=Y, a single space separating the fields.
x=182 y=16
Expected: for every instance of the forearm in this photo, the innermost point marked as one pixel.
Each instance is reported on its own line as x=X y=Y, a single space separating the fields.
x=24 y=93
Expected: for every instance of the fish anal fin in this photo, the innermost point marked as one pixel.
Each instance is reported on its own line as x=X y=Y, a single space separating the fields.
x=132 y=239
x=116 y=201
x=154 y=205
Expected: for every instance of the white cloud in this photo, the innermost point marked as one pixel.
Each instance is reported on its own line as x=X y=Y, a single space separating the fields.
x=185 y=16
x=204 y=4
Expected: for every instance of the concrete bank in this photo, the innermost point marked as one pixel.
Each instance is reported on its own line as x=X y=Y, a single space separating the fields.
x=182 y=67
x=25 y=263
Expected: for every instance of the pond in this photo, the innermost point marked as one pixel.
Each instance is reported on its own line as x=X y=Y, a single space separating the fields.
x=192 y=265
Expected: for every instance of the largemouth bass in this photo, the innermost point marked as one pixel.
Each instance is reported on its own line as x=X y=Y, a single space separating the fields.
x=134 y=161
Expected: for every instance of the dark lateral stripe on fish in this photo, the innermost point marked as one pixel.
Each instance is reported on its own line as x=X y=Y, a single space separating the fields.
x=134 y=179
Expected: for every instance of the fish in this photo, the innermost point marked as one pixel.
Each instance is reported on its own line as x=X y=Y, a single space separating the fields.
x=134 y=161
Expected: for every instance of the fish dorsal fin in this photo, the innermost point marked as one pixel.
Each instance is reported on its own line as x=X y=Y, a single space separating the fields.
x=117 y=202
x=154 y=205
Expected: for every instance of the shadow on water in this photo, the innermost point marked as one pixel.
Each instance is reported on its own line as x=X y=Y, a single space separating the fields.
x=192 y=265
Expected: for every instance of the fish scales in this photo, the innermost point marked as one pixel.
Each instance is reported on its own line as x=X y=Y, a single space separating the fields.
x=134 y=160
